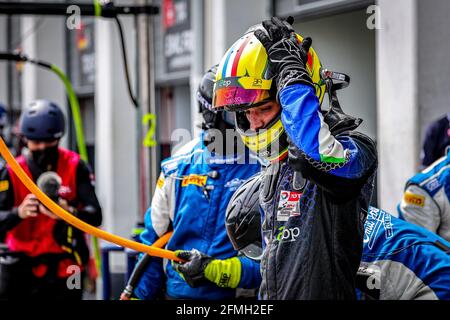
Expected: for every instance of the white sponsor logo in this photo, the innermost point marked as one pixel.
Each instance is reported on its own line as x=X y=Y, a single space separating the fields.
x=372 y=226
x=433 y=184
x=288 y=234
x=234 y=184
x=388 y=226
x=375 y=219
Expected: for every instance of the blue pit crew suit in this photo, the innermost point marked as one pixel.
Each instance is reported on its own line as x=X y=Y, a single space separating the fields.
x=404 y=261
x=426 y=200
x=313 y=227
x=193 y=204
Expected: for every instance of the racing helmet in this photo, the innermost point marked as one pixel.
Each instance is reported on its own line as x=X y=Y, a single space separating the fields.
x=244 y=81
x=42 y=120
x=211 y=117
x=243 y=219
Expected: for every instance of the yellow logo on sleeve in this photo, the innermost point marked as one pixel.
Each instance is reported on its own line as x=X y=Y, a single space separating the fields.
x=414 y=199
x=160 y=182
x=195 y=179
x=4 y=185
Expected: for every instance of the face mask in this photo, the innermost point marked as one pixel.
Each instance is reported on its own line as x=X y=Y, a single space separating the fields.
x=46 y=159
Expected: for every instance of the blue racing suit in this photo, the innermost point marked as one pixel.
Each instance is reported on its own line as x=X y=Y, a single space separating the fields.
x=312 y=204
x=191 y=198
x=426 y=200
x=404 y=261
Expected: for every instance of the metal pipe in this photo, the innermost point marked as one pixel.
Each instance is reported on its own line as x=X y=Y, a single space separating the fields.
x=197 y=68
x=108 y=10
x=9 y=71
x=140 y=68
x=151 y=155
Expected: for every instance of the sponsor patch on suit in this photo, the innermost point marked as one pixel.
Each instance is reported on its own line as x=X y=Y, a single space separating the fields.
x=288 y=205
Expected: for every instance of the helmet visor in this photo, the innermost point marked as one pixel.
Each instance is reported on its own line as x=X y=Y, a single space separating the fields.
x=237 y=98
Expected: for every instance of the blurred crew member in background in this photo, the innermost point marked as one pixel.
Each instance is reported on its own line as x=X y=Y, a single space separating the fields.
x=192 y=193
x=43 y=251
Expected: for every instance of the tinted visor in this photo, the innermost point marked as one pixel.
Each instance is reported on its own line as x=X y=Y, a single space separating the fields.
x=238 y=98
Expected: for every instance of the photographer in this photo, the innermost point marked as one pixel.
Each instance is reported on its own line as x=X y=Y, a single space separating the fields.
x=41 y=247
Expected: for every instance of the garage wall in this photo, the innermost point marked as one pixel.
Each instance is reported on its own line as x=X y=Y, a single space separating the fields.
x=344 y=44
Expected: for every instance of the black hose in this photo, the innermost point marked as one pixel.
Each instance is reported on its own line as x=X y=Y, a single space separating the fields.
x=18 y=57
x=109 y=10
x=136 y=275
x=125 y=62
x=12 y=57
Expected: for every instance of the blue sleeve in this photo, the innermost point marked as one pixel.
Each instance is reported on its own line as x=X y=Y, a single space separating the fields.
x=436 y=270
x=152 y=279
x=250 y=274
x=305 y=127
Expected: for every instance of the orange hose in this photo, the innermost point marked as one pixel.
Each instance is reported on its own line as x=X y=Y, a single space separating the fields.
x=83 y=226
x=161 y=242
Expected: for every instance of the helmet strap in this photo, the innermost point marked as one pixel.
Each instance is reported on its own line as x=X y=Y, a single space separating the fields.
x=338 y=121
x=298 y=182
x=270 y=180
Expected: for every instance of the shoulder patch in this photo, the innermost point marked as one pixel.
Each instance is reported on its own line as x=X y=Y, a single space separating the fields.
x=4 y=185
x=432 y=184
x=168 y=167
x=160 y=182
x=414 y=199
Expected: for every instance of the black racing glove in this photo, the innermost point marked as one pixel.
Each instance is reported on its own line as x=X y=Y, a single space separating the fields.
x=287 y=57
x=193 y=270
x=200 y=267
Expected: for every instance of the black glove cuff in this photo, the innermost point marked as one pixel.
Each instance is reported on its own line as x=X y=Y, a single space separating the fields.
x=196 y=281
x=292 y=75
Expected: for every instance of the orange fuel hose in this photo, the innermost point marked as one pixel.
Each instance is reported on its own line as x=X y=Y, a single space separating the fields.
x=77 y=223
x=161 y=242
